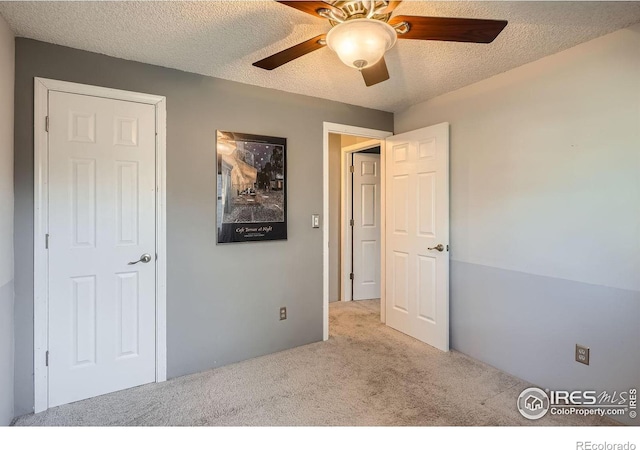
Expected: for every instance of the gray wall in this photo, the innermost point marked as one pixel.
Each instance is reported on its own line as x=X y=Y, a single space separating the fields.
x=6 y=222
x=6 y=353
x=216 y=312
x=545 y=214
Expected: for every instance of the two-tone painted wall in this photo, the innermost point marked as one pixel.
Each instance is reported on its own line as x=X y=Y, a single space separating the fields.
x=545 y=214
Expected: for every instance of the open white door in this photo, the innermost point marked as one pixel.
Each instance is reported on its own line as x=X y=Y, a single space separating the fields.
x=366 y=226
x=417 y=234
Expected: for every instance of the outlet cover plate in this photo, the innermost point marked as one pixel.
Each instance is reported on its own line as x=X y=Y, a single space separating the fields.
x=283 y=313
x=582 y=354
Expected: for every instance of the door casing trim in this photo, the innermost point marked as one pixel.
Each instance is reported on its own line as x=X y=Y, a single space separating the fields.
x=329 y=127
x=42 y=87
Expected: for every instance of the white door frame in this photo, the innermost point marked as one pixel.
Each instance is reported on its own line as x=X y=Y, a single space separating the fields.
x=42 y=87
x=337 y=128
x=346 y=237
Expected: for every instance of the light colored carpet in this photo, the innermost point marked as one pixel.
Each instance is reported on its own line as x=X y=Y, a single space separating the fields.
x=365 y=374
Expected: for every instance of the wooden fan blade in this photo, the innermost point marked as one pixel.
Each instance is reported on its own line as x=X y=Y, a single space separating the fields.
x=376 y=73
x=292 y=53
x=390 y=7
x=308 y=7
x=450 y=29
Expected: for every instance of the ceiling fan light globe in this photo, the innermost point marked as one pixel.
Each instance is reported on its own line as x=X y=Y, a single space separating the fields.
x=361 y=43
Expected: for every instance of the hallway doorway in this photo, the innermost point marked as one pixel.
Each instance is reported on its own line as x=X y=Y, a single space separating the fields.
x=354 y=218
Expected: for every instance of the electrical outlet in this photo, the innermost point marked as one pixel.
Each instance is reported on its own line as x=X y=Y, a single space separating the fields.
x=582 y=354
x=283 y=313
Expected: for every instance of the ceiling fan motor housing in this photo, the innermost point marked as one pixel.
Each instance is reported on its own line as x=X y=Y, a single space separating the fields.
x=360 y=10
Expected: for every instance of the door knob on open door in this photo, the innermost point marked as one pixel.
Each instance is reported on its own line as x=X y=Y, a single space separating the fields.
x=144 y=258
x=438 y=247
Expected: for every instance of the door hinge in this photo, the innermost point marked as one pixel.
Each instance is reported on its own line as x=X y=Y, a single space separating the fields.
x=351 y=276
x=46 y=241
x=352 y=222
x=352 y=169
x=46 y=124
x=447 y=247
x=46 y=358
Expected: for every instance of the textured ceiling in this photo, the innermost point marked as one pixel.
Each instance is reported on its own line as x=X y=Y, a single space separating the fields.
x=222 y=39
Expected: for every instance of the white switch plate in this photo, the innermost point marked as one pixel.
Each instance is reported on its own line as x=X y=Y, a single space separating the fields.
x=315 y=220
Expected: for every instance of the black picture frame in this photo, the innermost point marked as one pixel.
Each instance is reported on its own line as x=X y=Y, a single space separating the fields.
x=251 y=201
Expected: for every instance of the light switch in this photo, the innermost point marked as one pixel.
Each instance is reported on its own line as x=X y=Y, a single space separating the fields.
x=315 y=220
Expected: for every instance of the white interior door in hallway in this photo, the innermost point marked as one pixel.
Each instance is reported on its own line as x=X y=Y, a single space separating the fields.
x=102 y=197
x=417 y=234
x=366 y=226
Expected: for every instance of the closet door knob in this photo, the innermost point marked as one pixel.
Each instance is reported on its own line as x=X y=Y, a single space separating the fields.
x=144 y=259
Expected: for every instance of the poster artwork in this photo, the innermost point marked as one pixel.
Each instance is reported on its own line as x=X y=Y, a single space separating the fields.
x=252 y=194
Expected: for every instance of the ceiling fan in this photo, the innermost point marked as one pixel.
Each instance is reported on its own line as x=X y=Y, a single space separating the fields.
x=363 y=30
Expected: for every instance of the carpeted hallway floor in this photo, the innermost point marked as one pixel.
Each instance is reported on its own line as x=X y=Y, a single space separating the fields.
x=365 y=374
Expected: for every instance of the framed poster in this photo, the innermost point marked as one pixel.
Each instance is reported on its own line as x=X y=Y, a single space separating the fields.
x=252 y=187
